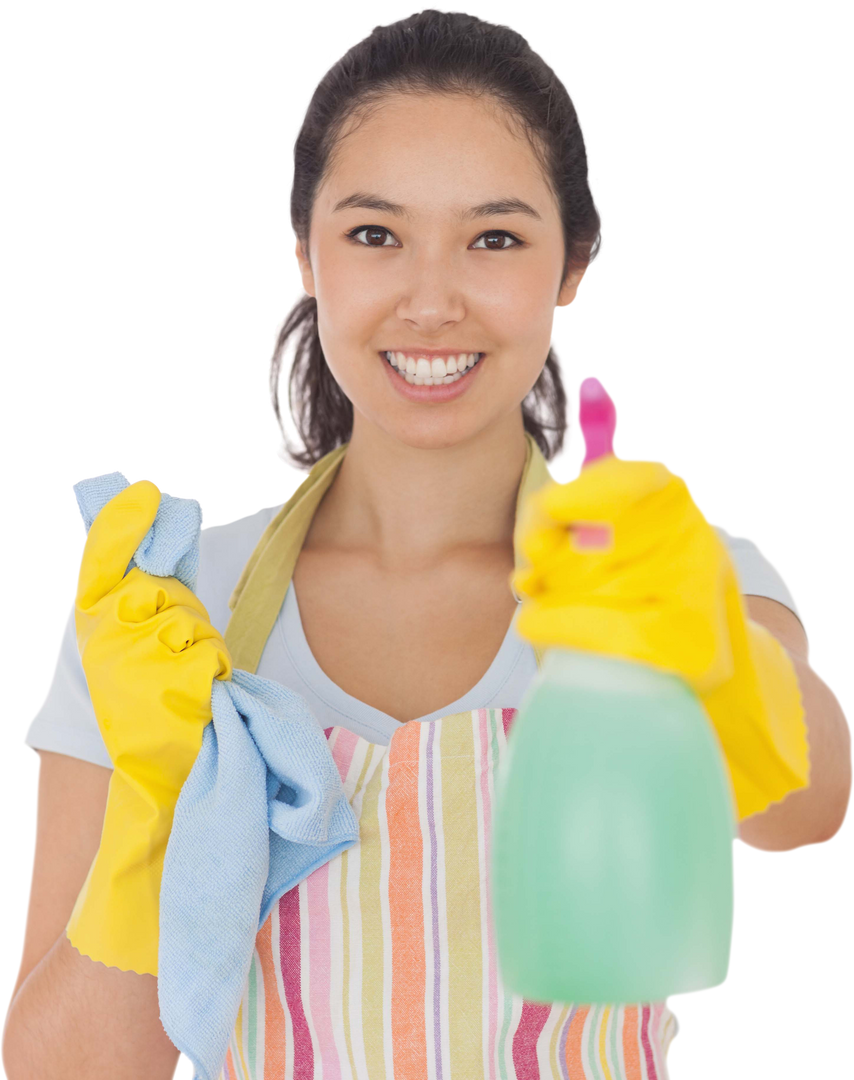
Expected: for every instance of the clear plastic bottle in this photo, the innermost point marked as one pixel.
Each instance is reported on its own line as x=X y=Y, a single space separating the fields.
x=612 y=841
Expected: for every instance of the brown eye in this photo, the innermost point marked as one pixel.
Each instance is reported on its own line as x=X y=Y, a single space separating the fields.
x=500 y=234
x=367 y=228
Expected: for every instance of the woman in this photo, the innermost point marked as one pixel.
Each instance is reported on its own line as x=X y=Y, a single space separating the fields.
x=442 y=211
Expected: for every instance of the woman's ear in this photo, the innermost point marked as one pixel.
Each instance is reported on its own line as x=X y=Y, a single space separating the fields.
x=571 y=289
x=305 y=269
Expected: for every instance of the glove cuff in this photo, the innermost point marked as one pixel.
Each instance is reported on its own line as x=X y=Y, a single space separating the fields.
x=115 y=918
x=759 y=717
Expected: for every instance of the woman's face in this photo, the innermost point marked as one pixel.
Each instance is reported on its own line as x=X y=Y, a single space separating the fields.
x=428 y=276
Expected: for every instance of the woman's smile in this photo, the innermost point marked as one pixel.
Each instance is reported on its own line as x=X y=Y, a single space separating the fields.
x=436 y=380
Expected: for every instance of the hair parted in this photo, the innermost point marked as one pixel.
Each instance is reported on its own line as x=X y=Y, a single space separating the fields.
x=432 y=52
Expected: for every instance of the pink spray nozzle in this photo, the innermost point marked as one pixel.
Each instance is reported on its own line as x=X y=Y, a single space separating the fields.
x=597 y=419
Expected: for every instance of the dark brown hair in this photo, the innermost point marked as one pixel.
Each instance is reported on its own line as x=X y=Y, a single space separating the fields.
x=432 y=52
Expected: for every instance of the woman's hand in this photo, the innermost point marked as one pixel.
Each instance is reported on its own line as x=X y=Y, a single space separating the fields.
x=147 y=646
x=649 y=585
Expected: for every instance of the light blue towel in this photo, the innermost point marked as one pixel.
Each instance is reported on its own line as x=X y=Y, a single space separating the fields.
x=262 y=807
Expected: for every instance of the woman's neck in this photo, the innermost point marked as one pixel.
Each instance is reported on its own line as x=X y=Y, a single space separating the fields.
x=410 y=508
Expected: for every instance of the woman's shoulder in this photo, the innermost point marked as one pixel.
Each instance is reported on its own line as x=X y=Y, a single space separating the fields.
x=756 y=574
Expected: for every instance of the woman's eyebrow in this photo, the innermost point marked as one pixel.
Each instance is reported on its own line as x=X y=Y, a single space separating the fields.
x=496 y=206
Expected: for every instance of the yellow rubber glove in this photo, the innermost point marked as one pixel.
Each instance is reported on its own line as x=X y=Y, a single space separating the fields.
x=663 y=591
x=150 y=656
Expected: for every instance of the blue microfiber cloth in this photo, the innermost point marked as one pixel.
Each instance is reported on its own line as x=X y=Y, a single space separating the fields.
x=262 y=807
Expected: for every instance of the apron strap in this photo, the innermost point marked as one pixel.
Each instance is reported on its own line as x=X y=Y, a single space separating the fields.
x=260 y=590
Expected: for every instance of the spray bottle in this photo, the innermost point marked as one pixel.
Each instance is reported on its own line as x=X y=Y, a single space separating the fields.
x=613 y=824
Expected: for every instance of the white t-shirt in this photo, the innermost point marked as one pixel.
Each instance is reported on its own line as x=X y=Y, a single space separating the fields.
x=66 y=721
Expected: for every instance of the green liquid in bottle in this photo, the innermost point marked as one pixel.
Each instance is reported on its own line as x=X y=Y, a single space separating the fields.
x=612 y=837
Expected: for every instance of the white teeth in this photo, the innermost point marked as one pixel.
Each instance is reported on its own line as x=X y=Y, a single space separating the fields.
x=424 y=372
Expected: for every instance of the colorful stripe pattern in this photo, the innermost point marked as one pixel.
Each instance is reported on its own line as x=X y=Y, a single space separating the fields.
x=381 y=965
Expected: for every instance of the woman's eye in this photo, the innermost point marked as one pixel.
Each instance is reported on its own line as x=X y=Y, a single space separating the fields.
x=377 y=230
